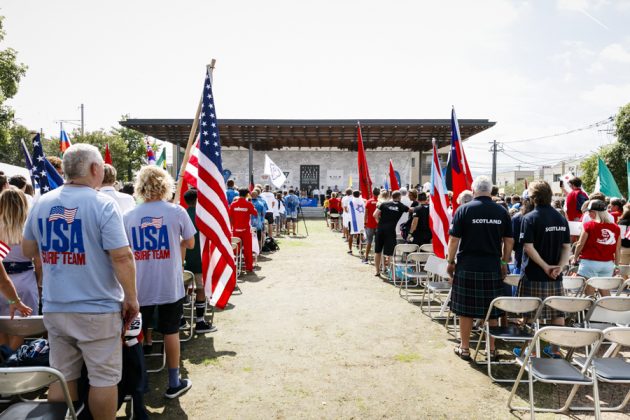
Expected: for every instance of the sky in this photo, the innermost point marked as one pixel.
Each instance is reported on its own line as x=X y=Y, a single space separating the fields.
x=535 y=67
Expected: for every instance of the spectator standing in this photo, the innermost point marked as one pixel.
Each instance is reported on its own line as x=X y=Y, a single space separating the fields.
x=241 y=211
x=159 y=231
x=258 y=222
x=20 y=269
x=346 y=212
x=420 y=230
x=57 y=164
x=624 y=220
x=88 y=279
x=19 y=182
x=192 y=263
x=125 y=201
x=599 y=247
x=291 y=203
x=575 y=199
x=315 y=193
x=616 y=208
x=546 y=249
x=335 y=209
x=231 y=191
x=270 y=199
x=387 y=215
x=4 y=184
x=481 y=237
x=370 y=222
x=517 y=220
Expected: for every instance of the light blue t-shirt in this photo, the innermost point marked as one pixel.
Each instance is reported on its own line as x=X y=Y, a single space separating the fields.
x=291 y=202
x=74 y=226
x=155 y=230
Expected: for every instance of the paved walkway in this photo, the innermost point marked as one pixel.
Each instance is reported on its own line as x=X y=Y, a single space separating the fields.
x=316 y=335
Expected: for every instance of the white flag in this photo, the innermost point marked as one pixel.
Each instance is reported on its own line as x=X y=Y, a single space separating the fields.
x=275 y=173
x=565 y=181
x=357 y=215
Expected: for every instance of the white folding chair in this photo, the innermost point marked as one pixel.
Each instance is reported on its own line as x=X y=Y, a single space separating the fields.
x=415 y=261
x=398 y=260
x=624 y=271
x=573 y=285
x=436 y=288
x=28 y=327
x=510 y=333
x=624 y=290
x=238 y=254
x=426 y=248
x=558 y=371
x=611 y=368
x=189 y=306
x=609 y=284
x=22 y=380
x=609 y=311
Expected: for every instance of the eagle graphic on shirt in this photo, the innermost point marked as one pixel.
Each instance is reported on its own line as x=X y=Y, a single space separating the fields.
x=607 y=237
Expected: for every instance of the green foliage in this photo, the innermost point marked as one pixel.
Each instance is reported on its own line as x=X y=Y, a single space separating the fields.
x=622 y=125
x=10 y=151
x=588 y=172
x=517 y=188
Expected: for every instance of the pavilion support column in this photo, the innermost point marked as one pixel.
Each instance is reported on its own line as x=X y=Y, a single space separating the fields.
x=251 y=164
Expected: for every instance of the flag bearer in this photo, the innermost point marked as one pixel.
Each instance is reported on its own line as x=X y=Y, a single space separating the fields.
x=240 y=212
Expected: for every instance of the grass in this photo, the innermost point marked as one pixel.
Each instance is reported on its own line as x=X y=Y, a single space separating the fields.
x=210 y=361
x=407 y=357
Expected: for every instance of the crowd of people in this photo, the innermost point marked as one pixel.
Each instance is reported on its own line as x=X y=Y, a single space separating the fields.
x=492 y=235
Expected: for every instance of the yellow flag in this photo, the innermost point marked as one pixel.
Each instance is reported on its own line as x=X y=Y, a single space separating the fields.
x=350 y=181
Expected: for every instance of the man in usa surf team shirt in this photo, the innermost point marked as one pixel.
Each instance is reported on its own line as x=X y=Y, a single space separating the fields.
x=88 y=279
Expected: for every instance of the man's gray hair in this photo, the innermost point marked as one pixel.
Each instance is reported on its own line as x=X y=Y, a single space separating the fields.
x=482 y=184
x=78 y=159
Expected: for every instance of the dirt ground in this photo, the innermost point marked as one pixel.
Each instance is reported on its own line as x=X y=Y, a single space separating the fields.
x=315 y=335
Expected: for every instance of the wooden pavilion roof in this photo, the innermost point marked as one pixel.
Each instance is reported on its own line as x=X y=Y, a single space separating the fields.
x=413 y=135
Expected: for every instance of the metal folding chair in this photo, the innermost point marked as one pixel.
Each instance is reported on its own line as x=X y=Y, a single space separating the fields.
x=436 y=289
x=238 y=254
x=609 y=311
x=609 y=284
x=611 y=368
x=398 y=260
x=415 y=261
x=624 y=290
x=189 y=306
x=510 y=333
x=558 y=371
x=573 y=285
x=22 y=380
x=426 y=248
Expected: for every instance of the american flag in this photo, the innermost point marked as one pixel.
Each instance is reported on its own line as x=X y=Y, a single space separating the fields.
x=60 y=212
x=439 y=219
x=156 y=222
x=205 y=171
x=43 y=171
x=4 y=250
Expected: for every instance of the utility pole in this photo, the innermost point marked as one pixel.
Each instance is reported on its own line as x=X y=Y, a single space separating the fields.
x=496 y=147
x=82 y=120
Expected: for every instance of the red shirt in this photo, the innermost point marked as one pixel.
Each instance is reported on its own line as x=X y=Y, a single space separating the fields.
x=602 y=241
x=240 y=212
x=616 y=215
x=335 y=203
x=370 y=208
x=573 y=212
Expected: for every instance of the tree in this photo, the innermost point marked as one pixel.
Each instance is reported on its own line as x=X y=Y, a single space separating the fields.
x=11 y=72
x=614 y=155
x=135 y=148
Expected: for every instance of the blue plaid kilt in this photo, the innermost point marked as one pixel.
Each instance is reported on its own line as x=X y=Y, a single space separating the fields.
x=542 y=290
x=473 y=291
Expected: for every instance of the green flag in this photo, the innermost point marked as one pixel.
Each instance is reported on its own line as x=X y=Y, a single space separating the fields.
x=607 y=184
x=162 y=159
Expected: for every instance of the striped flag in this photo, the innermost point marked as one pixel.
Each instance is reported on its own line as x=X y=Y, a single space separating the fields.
x=4 y=250
x=150 y=154
x=64 y=141
x=439 y=219
x=205 y=172
x=461 y=177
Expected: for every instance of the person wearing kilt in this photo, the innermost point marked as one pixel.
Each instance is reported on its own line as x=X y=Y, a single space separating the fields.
x=482 y=231
x=546 y=249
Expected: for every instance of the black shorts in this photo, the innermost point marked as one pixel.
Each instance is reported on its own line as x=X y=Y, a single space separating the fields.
x=168 y=317
x=385 y=242
x=269 y=217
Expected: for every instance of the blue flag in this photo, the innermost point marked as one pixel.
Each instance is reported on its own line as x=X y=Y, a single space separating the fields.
x=44 y=173
x=29 y=165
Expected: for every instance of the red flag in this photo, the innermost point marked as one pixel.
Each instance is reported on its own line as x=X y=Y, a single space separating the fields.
x=439 y=219
x=393 y=181
x=365 y=182
x=205 y=172
x=108 y=156
x=460 y=171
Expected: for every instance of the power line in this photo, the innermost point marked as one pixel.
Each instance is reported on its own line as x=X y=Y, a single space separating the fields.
x=575 y=130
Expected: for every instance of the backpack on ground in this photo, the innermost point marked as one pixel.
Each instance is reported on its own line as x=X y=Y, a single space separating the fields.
x=270 y=245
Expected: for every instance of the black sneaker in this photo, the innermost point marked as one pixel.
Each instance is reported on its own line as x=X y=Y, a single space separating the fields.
x=184 y=385
x=183 y=324
x=202 y=327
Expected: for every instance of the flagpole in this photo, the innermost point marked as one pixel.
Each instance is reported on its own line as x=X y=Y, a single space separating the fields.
x=191 y=139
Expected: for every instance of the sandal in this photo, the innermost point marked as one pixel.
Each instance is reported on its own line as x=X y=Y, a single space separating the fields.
x=463 y=353
x=492 y=354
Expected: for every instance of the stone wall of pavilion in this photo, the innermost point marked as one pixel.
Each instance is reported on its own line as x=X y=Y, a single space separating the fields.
x=335 y=167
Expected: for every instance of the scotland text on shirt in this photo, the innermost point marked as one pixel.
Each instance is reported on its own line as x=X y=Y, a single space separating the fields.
x=487 y=221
